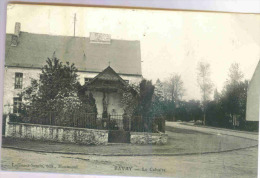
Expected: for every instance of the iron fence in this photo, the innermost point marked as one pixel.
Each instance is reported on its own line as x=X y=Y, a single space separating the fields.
x=93 y=121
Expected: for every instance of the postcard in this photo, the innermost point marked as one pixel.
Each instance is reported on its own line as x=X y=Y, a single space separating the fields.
x=130 y=92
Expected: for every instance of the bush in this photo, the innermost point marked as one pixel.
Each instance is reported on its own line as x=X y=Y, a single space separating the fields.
x=14 y=118
x=251 y=126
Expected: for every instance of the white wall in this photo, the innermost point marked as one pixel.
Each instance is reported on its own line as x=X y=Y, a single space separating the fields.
x=114 y=102
x=253 y=97
x=9 y=80
x=28 y=74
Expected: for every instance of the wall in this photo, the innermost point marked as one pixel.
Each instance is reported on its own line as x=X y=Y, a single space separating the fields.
x=56 y=133
x=75 y=135
x=9 y=79
x=148 y=138
x=253 y=96
x=31 y=73
x=114 y=102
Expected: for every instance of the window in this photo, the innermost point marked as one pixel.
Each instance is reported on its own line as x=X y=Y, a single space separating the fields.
x=18 y=80
x=17 y=107
x=87 y=80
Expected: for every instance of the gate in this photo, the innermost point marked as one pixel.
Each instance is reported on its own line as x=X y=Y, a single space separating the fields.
x=118 y=127
x=118 y=136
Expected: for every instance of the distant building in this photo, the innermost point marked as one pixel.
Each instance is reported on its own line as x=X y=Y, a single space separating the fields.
x=253 y=96
x=26 y=53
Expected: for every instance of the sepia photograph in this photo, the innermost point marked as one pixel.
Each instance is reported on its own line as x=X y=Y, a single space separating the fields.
x=130 y=92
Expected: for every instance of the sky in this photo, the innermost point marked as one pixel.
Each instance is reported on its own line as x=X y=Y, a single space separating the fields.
x=172 y=42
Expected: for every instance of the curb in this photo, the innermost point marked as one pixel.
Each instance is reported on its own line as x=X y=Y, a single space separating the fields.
x=222 y=133
x=96 y=154
x=218 y=128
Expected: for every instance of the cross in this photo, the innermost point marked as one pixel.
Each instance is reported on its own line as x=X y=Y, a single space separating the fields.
x=74 y=23
x=109 y=63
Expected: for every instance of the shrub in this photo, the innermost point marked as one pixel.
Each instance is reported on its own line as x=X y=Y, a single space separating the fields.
x=14 y=118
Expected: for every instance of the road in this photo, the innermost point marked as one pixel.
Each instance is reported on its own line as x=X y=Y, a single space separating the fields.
x=238 y=163
x=213 y=130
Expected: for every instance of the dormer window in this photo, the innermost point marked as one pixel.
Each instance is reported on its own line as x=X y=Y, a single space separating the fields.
x=18 y=83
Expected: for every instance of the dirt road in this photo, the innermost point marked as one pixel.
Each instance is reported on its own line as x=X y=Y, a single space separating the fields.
x=239 y=163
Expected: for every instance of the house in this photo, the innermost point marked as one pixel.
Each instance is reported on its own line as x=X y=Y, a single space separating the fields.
x=99 y=59
x=253 y=97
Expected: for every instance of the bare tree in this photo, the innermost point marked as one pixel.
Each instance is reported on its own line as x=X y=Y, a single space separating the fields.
x=174 y=88
x=235 y=74
x=205 y=83
x=158 y=90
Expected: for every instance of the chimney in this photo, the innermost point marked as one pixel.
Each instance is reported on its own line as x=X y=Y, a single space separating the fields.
x=16 y=34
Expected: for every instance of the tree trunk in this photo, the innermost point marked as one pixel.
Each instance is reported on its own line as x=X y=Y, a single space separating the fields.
x=204 y=118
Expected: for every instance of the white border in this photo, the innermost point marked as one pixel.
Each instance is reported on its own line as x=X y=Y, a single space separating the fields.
x=241 y=6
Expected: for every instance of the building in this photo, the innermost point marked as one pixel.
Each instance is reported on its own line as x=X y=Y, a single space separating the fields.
x=253 y=96
x=94 y=56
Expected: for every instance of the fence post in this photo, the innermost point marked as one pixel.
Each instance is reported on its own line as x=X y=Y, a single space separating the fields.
x=129 y=124
x=108 y=123
x=50 y=118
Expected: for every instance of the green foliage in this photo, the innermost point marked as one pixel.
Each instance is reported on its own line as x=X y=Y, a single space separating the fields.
x=129 y=100
x=56 y=95
x=14 y=118
x=251 y=126
x=145 y=98
x=230 y=104
x=169 y=110
x=194 y=110
x=143 y=104
x=234 y=98
x=215 y=115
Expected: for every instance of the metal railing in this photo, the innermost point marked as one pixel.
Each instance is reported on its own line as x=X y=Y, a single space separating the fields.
x=93 y=121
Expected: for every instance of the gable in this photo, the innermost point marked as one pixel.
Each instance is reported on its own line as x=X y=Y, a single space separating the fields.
x=108 y=75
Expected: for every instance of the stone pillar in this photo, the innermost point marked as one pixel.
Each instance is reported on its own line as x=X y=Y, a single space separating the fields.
x=7 y=120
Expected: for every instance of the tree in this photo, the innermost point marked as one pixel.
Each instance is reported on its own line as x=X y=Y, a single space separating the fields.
x=235 y=74
x=234 y=100
x=145 y=98
x=194 y=110
x=145 y=104
x=205 y=84
x=174 y=88
x=56 y=93
x=158 y=90
x=129 y=100
x=234 y=94
x=216 y=95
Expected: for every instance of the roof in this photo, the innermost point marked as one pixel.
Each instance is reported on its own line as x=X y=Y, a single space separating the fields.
x=108 y=74
x=34 y=49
